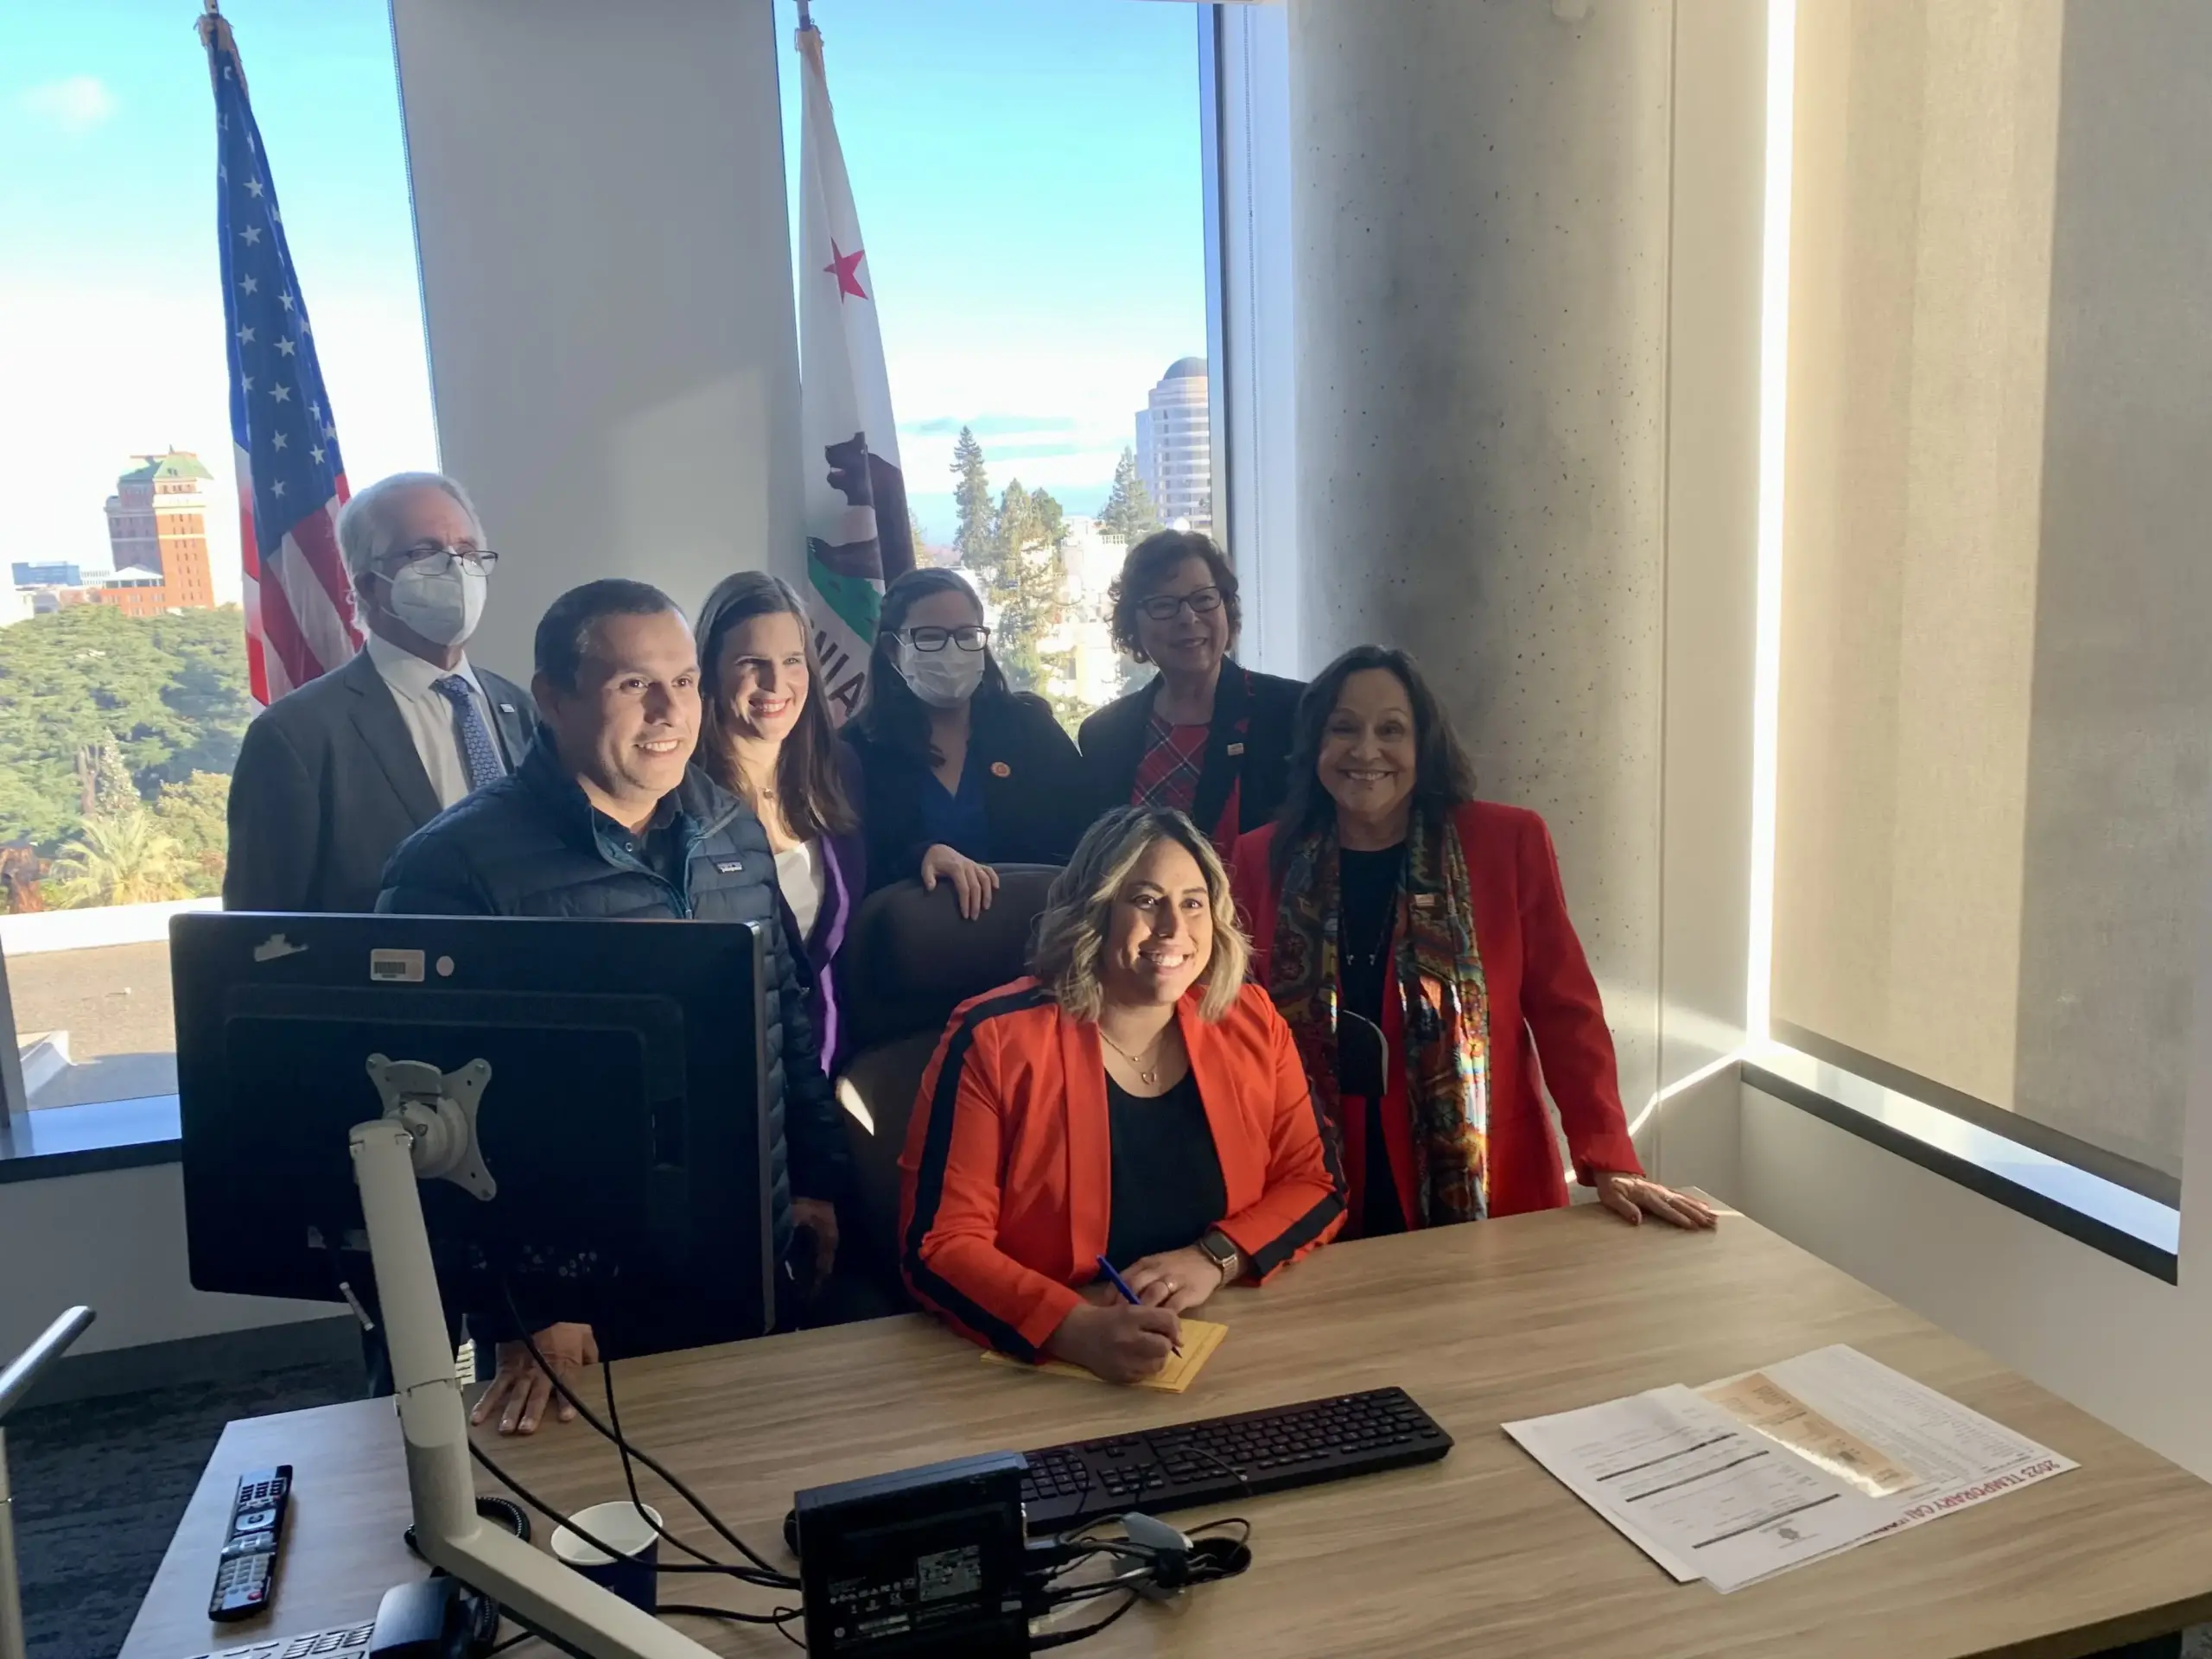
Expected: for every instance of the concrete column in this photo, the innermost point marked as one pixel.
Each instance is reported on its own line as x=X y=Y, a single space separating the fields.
x=1481 y=223
x=607 y=282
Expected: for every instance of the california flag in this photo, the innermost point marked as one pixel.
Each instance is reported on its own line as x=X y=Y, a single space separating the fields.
x=855 y=498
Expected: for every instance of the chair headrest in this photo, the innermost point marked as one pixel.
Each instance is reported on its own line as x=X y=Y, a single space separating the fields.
x=911 y=958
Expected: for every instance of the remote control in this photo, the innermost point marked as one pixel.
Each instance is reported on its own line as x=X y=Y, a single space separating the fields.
x=245 y=1571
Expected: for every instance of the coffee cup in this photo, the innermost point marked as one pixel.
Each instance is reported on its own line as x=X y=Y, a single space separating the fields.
x=629 y=1530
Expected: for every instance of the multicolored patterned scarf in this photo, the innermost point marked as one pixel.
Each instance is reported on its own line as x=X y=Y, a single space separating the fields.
x=1441 y=992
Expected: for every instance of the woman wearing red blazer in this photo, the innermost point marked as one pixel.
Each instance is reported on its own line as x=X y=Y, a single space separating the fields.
x=1135 y=1101
x=1382 y=874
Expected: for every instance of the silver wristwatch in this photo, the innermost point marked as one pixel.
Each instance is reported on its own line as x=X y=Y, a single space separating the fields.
x=1221 y=1250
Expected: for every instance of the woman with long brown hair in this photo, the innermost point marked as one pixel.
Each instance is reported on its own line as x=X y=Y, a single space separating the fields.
x=766 y=738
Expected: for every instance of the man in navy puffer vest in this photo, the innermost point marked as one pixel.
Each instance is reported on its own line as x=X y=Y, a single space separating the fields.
x=608 y=818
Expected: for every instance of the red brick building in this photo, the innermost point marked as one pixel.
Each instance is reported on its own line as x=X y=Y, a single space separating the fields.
x=157 y=528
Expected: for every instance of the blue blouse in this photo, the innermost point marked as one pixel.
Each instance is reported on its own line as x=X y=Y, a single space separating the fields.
x=955 y=817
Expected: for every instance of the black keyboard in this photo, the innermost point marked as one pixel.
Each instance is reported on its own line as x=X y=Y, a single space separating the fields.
x=1220 y=1460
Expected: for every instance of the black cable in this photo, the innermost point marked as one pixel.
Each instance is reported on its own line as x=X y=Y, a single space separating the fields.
x=540 y=1504
x=488 y=1509
x=629 y=1470
x=761 y=1571
x=781 y=1615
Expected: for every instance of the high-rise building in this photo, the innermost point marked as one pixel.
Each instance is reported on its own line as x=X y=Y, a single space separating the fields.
x=1175 y=446
x=54 y=573
x=157 y=527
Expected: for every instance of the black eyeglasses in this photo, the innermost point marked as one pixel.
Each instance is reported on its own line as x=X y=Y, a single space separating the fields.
x=445 y=560
x=1162 y=607
x=971 y=638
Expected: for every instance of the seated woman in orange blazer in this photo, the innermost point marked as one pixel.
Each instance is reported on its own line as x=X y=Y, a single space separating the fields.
x=1417 y=941
x=1135 y=1101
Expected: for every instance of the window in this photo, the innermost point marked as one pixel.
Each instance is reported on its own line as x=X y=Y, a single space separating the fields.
x=1030 y=181
x=120 y=720
x=1994 y=726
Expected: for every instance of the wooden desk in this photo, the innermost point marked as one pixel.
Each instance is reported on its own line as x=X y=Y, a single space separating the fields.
x=1481 y=1554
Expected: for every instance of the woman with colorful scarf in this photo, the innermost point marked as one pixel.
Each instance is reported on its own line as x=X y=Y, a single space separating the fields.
x=1417 y=941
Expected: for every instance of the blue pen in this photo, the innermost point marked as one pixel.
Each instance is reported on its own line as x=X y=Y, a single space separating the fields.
x=1122 y=1285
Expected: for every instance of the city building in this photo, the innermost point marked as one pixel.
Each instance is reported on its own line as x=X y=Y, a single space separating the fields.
x=156 y=529
x=1175 y=446
x=135 y=593
x=51 y=573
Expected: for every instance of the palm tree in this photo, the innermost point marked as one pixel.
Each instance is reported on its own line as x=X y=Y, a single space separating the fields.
x=120 y=858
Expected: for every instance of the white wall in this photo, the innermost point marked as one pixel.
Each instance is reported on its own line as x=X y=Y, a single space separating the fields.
x=114 y=1241
x=2122 y=1345
x=1716 y=259
x=599 y=203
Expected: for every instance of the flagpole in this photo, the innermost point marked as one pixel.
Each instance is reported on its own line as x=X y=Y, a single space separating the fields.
x=806 y=17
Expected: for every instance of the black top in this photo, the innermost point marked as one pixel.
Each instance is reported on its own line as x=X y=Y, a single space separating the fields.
x=530 y=844
x=1034 y=802
x=1251 y=715
x=1367 y=922
x=1167 y=1180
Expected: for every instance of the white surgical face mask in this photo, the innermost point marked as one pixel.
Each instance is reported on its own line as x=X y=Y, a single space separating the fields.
x=442 y=605
x=943 y=679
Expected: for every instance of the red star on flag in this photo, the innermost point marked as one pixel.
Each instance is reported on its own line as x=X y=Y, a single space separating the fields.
x=845 y=267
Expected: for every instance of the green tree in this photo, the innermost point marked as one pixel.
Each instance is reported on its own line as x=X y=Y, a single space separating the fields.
x=122 y=858
x=971 y=538
x=195 y=815
x=1027 y=574
x=1129 y=513
x=169 y=693
x=104 y=783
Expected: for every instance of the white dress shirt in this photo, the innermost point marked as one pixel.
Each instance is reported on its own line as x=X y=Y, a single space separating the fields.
x=431 y=720
x=799 y=872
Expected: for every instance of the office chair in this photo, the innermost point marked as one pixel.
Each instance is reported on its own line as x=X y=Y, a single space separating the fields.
x=908 y=961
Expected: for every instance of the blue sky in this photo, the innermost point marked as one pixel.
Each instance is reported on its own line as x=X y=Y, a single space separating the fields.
x=1026 y=173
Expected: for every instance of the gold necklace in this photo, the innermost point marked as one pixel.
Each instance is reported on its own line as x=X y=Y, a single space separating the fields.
x=1148 y=1075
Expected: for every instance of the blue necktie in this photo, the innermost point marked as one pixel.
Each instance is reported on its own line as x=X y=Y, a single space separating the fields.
x=478 y=752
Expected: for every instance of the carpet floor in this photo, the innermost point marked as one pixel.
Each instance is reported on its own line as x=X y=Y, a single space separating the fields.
x=100 y=1485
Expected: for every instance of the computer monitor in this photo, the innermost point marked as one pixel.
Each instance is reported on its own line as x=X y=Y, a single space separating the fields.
x=617 y=1074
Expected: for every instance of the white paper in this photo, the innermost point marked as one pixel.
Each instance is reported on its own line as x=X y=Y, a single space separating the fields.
x=1695 y=1490
x=1961 y=1457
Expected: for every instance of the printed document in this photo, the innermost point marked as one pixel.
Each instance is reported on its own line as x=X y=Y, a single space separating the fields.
x=1696 y=1489
x=1872 y=1424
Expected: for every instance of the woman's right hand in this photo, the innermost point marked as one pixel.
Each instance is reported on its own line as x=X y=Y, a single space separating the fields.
x=976 y=883
x=1121 y=1343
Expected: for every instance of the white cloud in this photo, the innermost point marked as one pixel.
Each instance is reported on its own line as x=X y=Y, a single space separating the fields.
x=77 y=104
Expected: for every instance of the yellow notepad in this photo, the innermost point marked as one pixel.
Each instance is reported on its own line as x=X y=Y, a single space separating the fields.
x=1200 y=1338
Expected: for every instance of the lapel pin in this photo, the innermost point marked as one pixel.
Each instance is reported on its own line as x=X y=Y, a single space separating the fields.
x=999 y=769
x=1237 y=749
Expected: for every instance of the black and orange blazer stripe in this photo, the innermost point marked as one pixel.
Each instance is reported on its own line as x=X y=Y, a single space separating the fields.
x=1007 y=1191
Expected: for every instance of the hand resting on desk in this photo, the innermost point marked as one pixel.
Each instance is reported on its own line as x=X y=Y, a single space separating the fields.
x=524 y=1390
x=1634 y=1196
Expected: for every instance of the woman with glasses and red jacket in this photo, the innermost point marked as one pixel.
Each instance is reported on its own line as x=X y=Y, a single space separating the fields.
x=958 y=771
x=1205 y=736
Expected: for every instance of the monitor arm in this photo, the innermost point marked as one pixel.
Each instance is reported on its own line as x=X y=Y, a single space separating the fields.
x=431 y=1134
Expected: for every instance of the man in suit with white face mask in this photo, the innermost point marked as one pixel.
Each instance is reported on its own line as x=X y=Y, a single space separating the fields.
x=331 y=779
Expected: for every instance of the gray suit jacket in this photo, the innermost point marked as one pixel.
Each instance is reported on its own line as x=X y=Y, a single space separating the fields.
x=328 y=783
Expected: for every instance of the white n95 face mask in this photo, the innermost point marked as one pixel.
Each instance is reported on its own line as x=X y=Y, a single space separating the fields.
x=943 y=679
x=443 y=605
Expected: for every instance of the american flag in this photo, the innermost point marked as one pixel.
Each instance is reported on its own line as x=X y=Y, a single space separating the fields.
x=298 y=606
